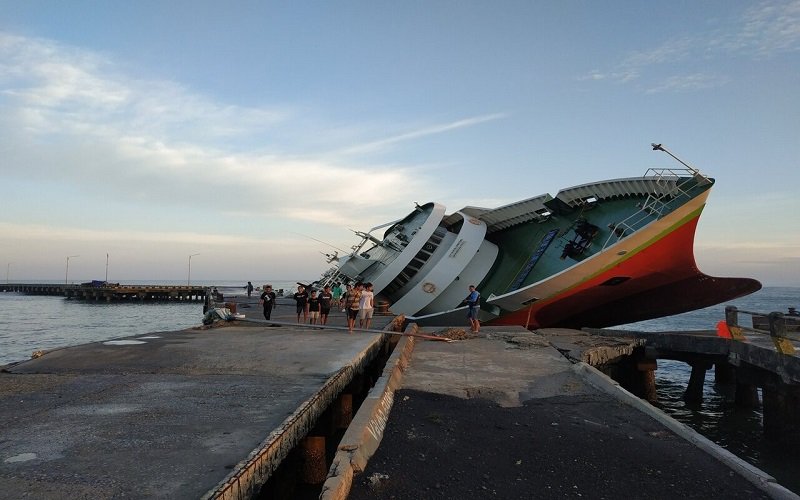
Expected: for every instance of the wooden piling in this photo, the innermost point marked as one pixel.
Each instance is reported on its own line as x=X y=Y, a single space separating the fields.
x=694 y=390
x=782 y=414
x=646 y=371
x=315 y=468
x=724 y=373
x=343 y=411
x=746 y=395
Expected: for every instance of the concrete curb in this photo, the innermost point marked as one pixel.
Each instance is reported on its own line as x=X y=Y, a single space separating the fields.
x=365 y=432
x=759 y=478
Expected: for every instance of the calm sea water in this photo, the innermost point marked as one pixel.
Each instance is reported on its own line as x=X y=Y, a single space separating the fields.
x=30 y=323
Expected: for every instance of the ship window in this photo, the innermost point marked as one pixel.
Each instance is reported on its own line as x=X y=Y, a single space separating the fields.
x=416 y=263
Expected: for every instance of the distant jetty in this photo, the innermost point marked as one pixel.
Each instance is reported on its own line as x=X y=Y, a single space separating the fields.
x=112 y=292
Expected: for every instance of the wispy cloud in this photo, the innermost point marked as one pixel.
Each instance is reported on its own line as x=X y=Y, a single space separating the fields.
x=423 y=132
x=763 y=30
x=38 y=232
x=687 y=83
x=63 y=90
x=75 y=118
x=617 y=76
x=668 y=52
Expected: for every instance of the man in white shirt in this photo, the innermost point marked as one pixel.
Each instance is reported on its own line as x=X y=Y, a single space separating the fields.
x=366 y=306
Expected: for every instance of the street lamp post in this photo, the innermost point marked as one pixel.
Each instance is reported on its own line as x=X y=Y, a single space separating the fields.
x=189 y=278
x=106 y=268
x=66 y=273
x=8 y=270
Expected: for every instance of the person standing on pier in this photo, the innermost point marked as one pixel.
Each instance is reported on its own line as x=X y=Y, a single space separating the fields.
x=343 y=300
x=337 y=295
x=352 y=299
x=326 y=299
x=301 y=298
x=249 y=288
x=366 y=306
x=473 y=308
x=268 y=301
x=313 y=307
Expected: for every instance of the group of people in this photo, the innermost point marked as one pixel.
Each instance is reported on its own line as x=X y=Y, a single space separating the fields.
x=357 y=301
x=314 y=308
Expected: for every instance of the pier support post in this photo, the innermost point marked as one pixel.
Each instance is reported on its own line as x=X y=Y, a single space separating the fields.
x=343 y=411
x=724 y=373
x=315 y=467
x=646 y=379
x=725 y=379
x=746 y=395
x=782 y=414
x=694 y=391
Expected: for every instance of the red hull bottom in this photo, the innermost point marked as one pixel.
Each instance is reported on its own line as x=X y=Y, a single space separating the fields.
x=660 y=280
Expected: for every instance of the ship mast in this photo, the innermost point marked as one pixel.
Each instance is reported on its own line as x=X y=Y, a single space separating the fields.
x=659 y=147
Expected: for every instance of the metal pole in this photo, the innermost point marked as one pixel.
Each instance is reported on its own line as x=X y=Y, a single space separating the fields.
x=189 y=277
x=66 y=273
x=659 y=147
x=106 y=268
x=8 y=269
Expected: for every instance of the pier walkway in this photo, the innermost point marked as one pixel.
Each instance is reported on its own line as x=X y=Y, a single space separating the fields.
x=170 y=414
x=213 y=412
x=505 y=415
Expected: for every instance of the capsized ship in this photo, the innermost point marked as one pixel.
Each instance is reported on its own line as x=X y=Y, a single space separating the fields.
x=595 y=255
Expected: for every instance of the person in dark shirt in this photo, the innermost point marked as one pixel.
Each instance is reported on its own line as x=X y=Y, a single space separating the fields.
x=325 y=303
x=267 y=300
x=313 y=307
x=301 y=297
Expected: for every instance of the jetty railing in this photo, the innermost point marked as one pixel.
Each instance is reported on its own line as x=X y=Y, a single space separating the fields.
x=778 y=327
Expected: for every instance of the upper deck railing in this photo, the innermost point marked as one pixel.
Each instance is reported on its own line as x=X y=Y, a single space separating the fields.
x=674 y=189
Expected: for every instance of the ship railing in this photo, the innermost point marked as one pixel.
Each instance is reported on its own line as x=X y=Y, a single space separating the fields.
x=673 y=184
x=782 y=329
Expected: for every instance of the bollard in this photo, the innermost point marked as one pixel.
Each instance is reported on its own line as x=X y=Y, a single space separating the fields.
x=731 y=316
x=315 y=468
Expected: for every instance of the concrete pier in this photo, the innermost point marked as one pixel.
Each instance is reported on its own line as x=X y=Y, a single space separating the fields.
x=508 y=415
x=172 y=415
x=111 y=292
x=213 y=412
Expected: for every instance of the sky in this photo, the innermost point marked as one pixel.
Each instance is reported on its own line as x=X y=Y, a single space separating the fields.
x=241 y=140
